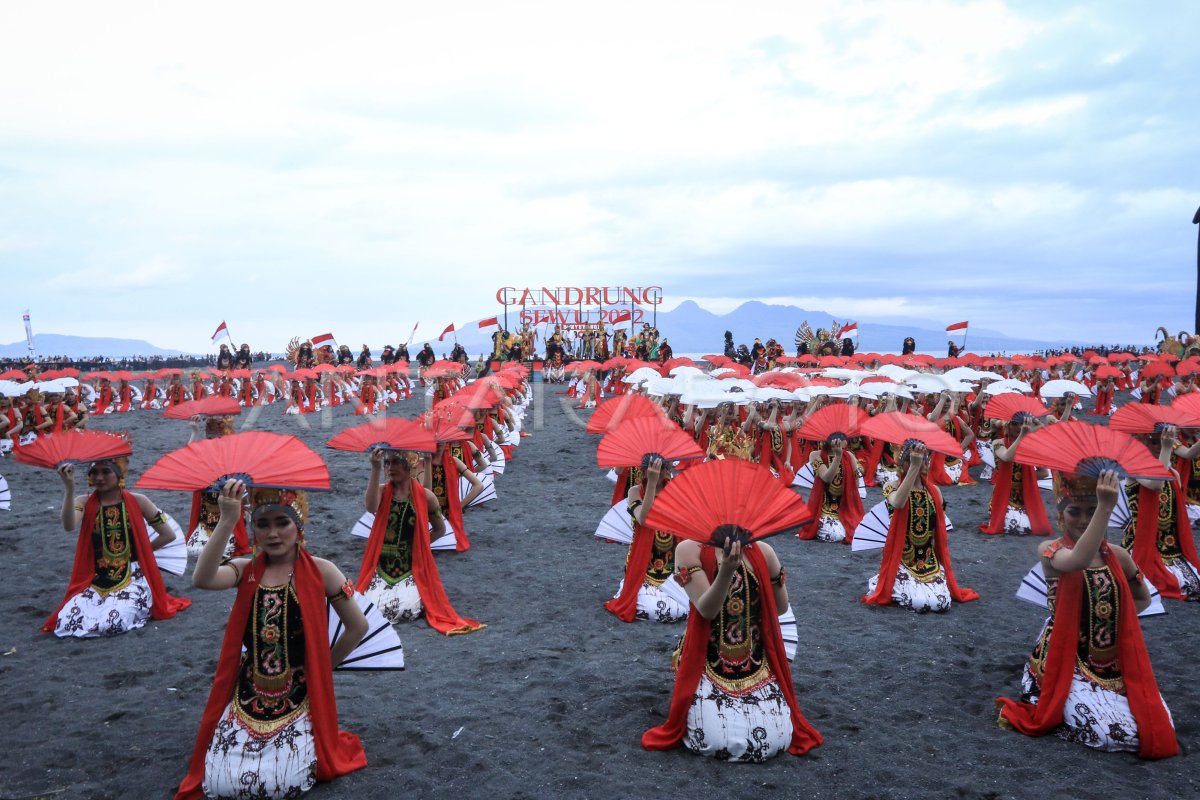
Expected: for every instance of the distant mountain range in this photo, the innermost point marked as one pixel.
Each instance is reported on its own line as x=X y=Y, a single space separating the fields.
x=689 y=328
x=53 y=344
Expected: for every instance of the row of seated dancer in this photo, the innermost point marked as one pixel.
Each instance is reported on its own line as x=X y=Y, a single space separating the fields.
x=1101 y=689
x=740 y=705
x=24 y=418
x=270 y=727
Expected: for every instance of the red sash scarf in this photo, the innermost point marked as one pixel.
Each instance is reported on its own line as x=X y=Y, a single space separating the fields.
x=440 y=615
x=1154 y=725
x=893 y=549
x=241 y=540
x=126 y=395
x=622 y=486
x=769 y=457
x=874 y=455
x=1039 y=525
x=338 y=752
x=366 y=398
x=624 y=605
x=105 y=399
x=850 y=508
x=59 y=413
x=198 y=390
x=1145 y=540
x=695 y=648
x=1104 y=398
x=453 y=507
x=163 y=605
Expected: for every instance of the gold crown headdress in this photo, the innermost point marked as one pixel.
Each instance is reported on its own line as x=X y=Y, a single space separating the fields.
x=293 y=502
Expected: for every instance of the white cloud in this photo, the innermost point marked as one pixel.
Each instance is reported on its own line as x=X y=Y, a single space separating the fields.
x=391 y=162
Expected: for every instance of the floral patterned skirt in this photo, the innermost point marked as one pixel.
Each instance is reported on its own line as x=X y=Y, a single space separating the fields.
x=918 y=595
x=398 y=602
x=665 y=603
x=750 y=727
x=243 y=764
x=1093 y=716
x=830 y=528
x=89 y=614
x=1187 y=577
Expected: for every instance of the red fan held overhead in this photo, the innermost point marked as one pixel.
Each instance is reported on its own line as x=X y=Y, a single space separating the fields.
x=212 y=406
x=831 y=420
x=717 y=500
x=612 y=413
x=1080 y=448
x=73 y=447
x=1006 y=406
x=1142 y=418
x=389 y=434
x=898 y=428
x=1188 y=404
x=634 y=439
x=443 y=428
x=257 y=457
x=1158 y=369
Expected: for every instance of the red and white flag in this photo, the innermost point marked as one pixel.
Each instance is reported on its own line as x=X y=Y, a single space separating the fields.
x=222 y=328
x=957 y=326
x=622 y=316
x=411 y=335
x=323 y=340
x=449 y=329
x=849 y=328
x=489 y=322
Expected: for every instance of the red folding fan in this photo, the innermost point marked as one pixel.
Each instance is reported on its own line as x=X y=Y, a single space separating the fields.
x=1080 y=448
x=708 y=501
x=256 y=457
x=843 y=419
x=634 y=438
x=897 y=427
x=1005 y=406
x=443 y=427
x=478 y=396
x=452 y=409
x=1157 y=369
x=73 y=447
x=780 y=380
x=1108 y=372
x=1142 y=417
x=389 y=433
x=1188 y=404
x=211 y=406
x=612 y=413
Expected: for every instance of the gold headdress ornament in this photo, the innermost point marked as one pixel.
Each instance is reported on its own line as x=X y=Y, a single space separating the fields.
x=293 y=502
x=1069 y=488
x=217 y=426
x=120 y=463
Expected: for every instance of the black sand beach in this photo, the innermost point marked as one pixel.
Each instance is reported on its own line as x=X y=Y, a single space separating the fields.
x=551 y=699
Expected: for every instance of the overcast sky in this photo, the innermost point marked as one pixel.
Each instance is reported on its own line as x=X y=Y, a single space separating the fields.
x=360 y=167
